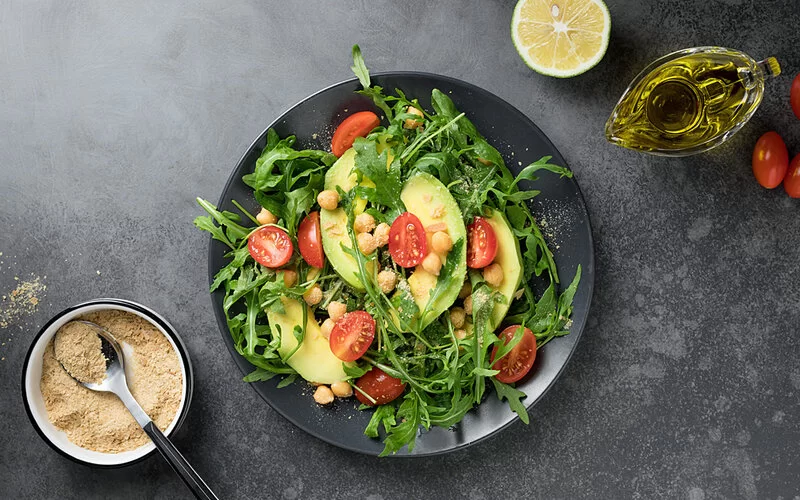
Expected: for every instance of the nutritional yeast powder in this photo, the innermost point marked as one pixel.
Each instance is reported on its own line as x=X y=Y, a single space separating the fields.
x=98 y=420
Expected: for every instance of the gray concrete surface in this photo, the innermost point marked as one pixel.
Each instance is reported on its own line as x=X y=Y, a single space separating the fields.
x=115 y=115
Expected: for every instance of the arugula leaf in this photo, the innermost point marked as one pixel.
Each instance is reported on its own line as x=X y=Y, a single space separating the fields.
x=359 y=68
x=383 y=414
x=386 y=178
x=259 y=375
x=404 y=433
x=287 y=381
x=234 y=232
x=514 y=397
x=226 y=273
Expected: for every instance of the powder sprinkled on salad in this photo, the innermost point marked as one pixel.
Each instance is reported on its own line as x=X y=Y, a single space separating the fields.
x=414 y=224
x=99 y=421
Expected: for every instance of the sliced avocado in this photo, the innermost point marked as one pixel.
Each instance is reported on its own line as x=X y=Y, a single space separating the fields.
x=314 y=360
x=509 y=257
x=426 y=197
x=333 y=223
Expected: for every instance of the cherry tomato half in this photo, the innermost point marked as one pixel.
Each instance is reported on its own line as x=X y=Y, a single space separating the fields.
x=309 y=239
x=270 y=246
x=408 y=244
x=380 y=386
x=356 y=125
x=481 y=244
x=770 y=160
x=791 y=183
x=517 y=363
x=352 y=335
x=794 y=96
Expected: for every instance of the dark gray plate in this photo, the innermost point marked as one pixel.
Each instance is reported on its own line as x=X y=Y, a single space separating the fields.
x=560 y=208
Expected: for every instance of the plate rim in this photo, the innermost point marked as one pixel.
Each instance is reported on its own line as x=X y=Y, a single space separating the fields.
x=576 y=334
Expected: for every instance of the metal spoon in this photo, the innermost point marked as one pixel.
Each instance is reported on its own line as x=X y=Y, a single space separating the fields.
x=116 y=382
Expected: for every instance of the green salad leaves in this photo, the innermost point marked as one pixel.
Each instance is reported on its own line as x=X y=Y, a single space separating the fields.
x=446 y=369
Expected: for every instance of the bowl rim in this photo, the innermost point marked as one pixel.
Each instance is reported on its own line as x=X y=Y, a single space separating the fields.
x=150 y=315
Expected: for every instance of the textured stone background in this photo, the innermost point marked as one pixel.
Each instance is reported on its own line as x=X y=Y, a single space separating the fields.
x=115 y=115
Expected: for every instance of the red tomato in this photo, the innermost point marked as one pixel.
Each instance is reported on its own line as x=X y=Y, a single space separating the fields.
x=517 y=363
x=380 y=386
x=770 y=160
x=481 y=244
x=309 y=239
x=356 y=125
x=792 y=181
x=794 y=95
x=352 y=335
x=408 y=244
x=270 y=246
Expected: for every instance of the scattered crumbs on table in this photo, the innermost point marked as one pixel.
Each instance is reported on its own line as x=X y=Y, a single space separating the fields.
x=21 y=301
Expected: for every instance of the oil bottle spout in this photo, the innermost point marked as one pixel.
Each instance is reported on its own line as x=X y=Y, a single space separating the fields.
x=770 y=67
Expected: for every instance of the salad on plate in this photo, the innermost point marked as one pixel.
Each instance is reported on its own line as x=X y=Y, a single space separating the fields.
x=403 y=267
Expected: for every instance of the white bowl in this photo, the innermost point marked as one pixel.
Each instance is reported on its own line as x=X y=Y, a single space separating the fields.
x=32 y=374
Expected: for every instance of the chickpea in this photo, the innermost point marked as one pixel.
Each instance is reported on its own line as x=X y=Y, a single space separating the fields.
x=327 y=327
x=364 y=223
x=468 y=305
x=412 y=122
x=493 y=274
x=432 y=263
x=366 y=243
x=313 y=295
x=466 y=290
x=323 y=395
x=266 y=217
x=387 y=280
x=289 y=278
x=457 y=316
x=328 y=199
x=460 y=334
x=441 y=242
x=342 y=389
x=336 y=310
x=382 y=234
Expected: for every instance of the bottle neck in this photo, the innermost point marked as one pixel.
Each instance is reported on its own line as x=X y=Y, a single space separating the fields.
x=769 y=67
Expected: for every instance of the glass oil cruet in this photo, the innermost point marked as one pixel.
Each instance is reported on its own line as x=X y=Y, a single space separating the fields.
x=689 y=101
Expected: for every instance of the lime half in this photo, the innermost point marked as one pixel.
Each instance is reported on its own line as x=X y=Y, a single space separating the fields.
x=561 y=38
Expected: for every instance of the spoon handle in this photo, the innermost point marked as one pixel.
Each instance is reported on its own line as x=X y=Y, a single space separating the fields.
x=178 y=463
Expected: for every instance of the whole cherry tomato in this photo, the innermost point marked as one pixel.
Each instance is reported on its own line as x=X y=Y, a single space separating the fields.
x=791 y=183
x=770 y=160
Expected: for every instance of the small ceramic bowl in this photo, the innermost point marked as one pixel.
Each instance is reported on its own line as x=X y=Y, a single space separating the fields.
x=32 y=374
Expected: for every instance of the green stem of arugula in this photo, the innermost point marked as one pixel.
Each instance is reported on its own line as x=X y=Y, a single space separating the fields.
x=410 y=152
x=249 y=216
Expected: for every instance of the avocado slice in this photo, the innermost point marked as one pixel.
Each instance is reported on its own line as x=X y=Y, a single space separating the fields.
x=333 y=223
x=426 y=197
x=314 y=360
x=509 y=257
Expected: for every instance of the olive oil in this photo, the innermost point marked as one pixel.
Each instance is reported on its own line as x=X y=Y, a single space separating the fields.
x=689 y=101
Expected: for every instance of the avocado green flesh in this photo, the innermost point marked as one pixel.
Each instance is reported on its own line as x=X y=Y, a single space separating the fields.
x=314 y=360
x=509 y=257
x=426 y=197
x=333 y=223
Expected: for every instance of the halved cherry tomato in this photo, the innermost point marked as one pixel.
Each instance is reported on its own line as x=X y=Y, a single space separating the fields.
x=352 y=335
x=791 y=183
x=481 y=244
x=770 y=160
x=517 y=363
x=270 y=246
x=380 y=387
x=408 y=244
x=794 y=96
x=309 y=239
x=356 y=125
